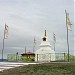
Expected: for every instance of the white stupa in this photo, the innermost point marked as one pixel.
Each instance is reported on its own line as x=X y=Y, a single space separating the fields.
x=45 y=53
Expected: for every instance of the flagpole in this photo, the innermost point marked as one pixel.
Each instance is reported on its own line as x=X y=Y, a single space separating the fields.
x=54 y=39
x=25 y=49
x=34 y=45
x=3 y=50
x=33 y=49
x=4 y=37
x=67 y=36
x=3 y=45
x=68 y=44
x=54 y=46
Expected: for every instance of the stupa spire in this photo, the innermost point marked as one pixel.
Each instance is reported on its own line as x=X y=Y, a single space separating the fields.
x=45 y=33
x=44 y=37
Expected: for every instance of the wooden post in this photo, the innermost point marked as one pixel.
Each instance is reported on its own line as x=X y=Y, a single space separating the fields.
x=37 y=57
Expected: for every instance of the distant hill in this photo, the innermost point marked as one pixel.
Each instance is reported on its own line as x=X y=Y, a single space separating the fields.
x=3 y=60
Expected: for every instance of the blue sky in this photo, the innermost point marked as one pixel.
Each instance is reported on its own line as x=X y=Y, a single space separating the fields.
x=29 y=18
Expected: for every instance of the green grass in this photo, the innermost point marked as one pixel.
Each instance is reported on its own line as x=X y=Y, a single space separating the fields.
x=43 y=69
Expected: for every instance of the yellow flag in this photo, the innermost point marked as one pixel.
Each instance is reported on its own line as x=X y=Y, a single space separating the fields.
x=68 y=22
x=6 y=32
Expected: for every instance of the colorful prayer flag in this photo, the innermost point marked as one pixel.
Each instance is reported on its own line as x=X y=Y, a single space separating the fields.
x=6 y=32
x=68 y=22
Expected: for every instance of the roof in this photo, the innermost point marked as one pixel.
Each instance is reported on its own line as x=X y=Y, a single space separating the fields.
x=29 y=53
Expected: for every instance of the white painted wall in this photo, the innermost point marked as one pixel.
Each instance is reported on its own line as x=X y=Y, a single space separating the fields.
x=45 y=53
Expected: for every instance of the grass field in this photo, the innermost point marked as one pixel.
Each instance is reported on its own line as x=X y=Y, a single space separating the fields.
x=43 y=69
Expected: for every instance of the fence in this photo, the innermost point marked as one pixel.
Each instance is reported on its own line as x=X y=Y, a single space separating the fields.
x=42 y=57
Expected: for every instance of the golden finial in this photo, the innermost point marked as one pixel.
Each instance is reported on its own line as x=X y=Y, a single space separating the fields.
x=45 y=32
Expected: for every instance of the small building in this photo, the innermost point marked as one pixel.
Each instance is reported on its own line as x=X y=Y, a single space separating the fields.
x=45 y=53
x=28 y=56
